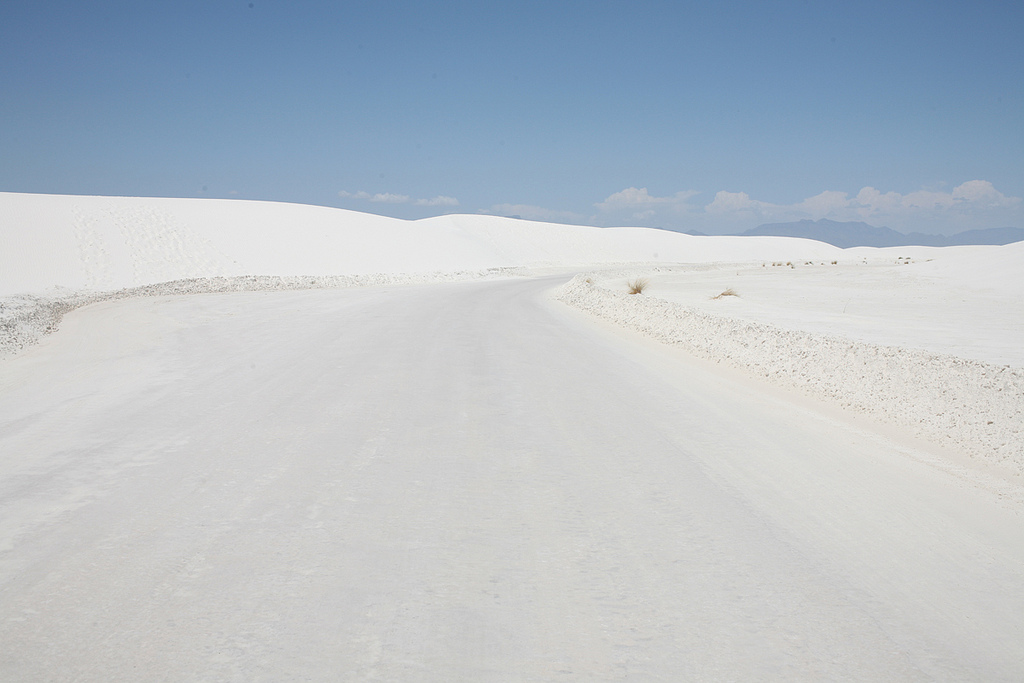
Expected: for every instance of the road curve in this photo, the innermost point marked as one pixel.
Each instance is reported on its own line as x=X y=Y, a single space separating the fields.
x=465 y=482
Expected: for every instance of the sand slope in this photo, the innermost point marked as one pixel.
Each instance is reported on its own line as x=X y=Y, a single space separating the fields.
x=104 y=243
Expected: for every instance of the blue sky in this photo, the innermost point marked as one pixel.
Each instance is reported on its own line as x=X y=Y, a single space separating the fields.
x=689 y=116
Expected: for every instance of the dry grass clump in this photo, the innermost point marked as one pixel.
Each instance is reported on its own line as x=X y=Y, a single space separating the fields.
x=638 y=285
x=728 y=292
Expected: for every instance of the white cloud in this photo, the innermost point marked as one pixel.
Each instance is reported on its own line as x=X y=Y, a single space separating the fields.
x=982 y=192
x=439 y=200
x=975 y=198
x=870 y=197
x=636 y=198
x=821 y=205
x=354 y=195
x=392 y=198
x=631 y=196
x=923 y=199
x=389 y=198
x=736 y=202
x=640 y=207
x=973 y=204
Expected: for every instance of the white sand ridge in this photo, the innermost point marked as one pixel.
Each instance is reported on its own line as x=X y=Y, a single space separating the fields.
x=105 y=243
x=947 y=313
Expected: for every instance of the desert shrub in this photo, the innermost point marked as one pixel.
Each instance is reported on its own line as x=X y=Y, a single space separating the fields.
x=637 y=286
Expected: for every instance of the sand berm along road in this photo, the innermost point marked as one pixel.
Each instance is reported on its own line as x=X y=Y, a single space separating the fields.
x=464 y=482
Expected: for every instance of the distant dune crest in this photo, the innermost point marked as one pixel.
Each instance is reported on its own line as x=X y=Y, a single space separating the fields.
x=106 y=243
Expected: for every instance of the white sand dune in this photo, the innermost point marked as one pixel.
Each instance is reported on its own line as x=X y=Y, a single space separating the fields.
x=470 y=481
x=104 y=243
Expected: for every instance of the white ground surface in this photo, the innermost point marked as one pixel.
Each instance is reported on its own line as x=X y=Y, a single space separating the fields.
x=472 y=481
x=466 y=482
x=932 y=346
x=967 y=303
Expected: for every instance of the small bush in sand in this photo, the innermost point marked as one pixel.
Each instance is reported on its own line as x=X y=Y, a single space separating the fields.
x=728 y=292
x=637 y=286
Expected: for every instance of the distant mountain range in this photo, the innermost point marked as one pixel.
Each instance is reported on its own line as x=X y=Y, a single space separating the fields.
x=856 y=234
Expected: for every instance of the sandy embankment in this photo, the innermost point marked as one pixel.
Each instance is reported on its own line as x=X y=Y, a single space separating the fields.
x=969 y=405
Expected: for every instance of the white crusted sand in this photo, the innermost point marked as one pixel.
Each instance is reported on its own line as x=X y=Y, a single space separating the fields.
x=972 y=406
x=266 y=470
x=965 y=302
x=464 y=482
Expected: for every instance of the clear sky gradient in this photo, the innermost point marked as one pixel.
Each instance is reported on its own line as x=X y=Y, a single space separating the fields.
x=689 y=116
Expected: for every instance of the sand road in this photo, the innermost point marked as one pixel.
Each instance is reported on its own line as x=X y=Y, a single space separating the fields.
x=465 y=482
